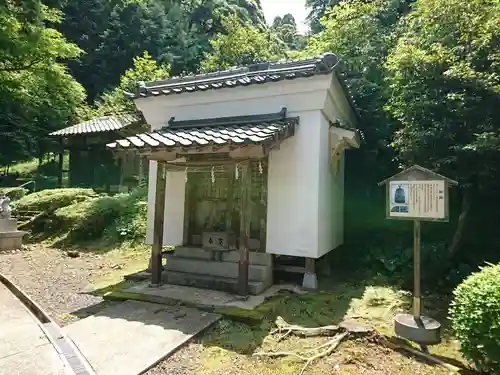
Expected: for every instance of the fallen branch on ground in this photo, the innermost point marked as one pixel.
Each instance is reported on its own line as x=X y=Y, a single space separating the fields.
x=345 y=330
x=341 y=332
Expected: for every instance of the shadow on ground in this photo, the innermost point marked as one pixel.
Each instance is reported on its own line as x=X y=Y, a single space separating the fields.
x=362 y=301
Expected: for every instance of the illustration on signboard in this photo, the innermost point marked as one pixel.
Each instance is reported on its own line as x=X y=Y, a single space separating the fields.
x=399 y=197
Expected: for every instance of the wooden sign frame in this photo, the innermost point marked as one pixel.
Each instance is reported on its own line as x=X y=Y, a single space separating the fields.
x=415 y=174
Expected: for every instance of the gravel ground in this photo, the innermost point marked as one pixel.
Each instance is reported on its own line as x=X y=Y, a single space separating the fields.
x=57 y=283
x=54 y=280
x=185 y=361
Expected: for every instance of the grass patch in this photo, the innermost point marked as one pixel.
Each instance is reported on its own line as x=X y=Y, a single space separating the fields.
x=25 y=168
x=53 y=199
x=229 y=344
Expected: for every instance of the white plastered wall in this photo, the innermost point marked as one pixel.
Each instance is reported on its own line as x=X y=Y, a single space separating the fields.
x=173 y=226
x=330 y=196
x=293 y=185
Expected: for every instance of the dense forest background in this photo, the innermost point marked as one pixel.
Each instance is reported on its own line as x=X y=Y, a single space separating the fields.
x=424 y=76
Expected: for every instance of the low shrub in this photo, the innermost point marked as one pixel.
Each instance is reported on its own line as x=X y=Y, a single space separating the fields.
x=439 y=271
x=132 y=223
x=87 y=220
x=475 y=316
x=53 y=199
x=15 y=193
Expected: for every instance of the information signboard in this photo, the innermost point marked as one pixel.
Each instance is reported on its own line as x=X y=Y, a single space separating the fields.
x=423 y=200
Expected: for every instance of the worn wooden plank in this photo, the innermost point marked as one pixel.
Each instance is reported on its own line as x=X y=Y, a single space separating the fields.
x=60 y=164
x=310 y=265
x=187 y=212
x=263 y=213
x=244 y=229
x=159 y=215
x=229 y=200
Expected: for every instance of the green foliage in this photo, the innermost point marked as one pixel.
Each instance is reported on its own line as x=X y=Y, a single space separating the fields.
x=175 y=32
x=475 y=316
x=81 y=215
x=242 y=45
x=362 y=34
x=15 y=193
x=37 y=95
x=24 y=41
x=25 y=168
x=444 y=88
x=144 y=69
x=317 y=11
x=132 y=223
x=53 y=199
x=286 y=29
x=87 y=220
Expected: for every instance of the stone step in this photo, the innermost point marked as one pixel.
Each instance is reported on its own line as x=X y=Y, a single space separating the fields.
x=224 y=284
x=217 y=268
x=232 y=256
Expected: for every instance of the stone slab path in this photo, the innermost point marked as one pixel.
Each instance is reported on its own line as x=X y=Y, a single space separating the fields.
x=129 y=338
x=24 y=349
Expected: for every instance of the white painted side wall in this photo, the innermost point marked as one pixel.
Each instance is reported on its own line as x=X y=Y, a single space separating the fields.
x=293 y=186
x=174 y=206
x=330 y=197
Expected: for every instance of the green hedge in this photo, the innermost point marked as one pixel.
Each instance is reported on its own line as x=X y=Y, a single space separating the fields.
x=53 y=199
x=15 y=193
x=88 y=220
x=475 y=316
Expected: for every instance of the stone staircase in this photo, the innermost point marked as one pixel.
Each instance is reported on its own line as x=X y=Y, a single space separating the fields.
x=191 y=266
x=24 y=218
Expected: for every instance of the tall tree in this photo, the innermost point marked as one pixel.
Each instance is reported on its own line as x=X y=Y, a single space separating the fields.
x=445 y=91
x=362 y=34
x=37 y=95
x=145 y=68
x=286 y=29
x=318 y=8
x=242 y=45
x=112 y=32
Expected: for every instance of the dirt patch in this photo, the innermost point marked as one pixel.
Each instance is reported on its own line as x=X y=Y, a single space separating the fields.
x=54 y=280
x=183 y=362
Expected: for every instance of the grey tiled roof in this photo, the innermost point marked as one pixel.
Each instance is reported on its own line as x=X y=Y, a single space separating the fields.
x=243 y=76
x=237 y=131
x=98 y=125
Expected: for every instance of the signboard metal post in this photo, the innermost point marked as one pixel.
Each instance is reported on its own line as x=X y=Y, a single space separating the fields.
x=417 y=194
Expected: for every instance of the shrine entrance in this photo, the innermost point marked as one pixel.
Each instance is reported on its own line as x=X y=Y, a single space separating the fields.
x=213 y=206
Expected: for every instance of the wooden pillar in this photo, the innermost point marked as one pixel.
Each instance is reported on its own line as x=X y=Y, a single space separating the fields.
x=122 y=164
x=61 y=163
x=417 y=308
x=159 y=216
x=187 y=212
x=229 y=200
x=263 y=214
x=310 y=265
x=244 y=229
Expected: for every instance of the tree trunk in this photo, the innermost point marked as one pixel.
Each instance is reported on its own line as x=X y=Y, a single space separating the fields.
x=462 y=220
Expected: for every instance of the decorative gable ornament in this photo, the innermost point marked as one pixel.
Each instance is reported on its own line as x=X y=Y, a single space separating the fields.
x=418 y=193
x=339 y=140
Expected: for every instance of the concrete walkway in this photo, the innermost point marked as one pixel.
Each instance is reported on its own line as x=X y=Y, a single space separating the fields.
x=130 y=337
x=24 y=349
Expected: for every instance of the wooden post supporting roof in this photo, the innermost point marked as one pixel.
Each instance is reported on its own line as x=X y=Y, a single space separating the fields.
x=159 y=215
x=60 y=163
x=244 y=229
